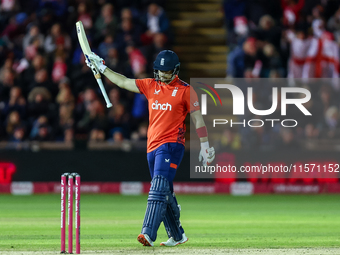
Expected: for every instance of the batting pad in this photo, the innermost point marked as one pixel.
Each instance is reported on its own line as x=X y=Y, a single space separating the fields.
x=157 y=205
x=171 y=219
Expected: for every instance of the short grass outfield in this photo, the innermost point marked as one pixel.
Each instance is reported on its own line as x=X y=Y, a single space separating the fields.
x=110 y=222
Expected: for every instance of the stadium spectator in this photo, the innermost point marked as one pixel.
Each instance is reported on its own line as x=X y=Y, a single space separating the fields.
x=128 y=33
x=94 y=119
x=126 y=13
x=106 y=23
x=155 y=21
x=36 y=124
x=56 y=38
x=113 y=61
x=137 y=60
x=268 y=32
x=252 y=57
x=68 y=134
x=9 y=6
x=14 y=28
x=150 y=51
x=7 y=82
x=84 y=15
x=235 y=62
x=81 y=76
x=141 y=133
x=291 y=11
x=114 y=96
x=234 y=10
x=139 y=111
x=299 y=46
x=13 y=121
x=33 y=33
x=59 y=69
x=44 y=133
x=19 y=134
x=330 y=124
x=39 y=102
x=16 y=102
x=322 y=57
x=106 y=45
x=66 y=103
x=97 y=135
x=8 y=65
x=334 y=25
x=41 y=79
x=118 y=117
x=116 y=134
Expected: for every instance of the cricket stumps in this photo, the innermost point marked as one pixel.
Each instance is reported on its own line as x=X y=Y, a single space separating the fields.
x=73 y=180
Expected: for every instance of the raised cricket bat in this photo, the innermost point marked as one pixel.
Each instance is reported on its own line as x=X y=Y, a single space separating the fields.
x=85 y=47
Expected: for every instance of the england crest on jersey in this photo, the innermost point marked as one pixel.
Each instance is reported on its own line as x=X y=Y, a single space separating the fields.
x=174 y=92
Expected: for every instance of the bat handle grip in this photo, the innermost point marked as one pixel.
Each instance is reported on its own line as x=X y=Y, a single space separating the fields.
x=102 y=89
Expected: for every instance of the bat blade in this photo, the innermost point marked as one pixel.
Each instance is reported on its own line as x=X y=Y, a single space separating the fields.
x=85 y=47
x=84 y=44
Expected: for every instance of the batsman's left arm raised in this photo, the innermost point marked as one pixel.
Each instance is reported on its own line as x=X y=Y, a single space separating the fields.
x=118 y=79
x=121 y=81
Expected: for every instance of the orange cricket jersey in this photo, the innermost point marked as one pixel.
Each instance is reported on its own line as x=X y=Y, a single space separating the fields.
x=168 y=106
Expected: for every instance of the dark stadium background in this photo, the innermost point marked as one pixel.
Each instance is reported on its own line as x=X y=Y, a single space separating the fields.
x=52 y=115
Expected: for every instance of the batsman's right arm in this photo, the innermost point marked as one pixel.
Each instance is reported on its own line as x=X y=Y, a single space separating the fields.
x=121 y=81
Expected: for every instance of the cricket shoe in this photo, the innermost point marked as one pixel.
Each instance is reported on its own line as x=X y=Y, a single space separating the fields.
x=145 y=240
x=172 y=242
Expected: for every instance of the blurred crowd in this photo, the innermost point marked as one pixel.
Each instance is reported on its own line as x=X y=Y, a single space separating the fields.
x=283 y=38
x=294 y=39
x=47 y=93
x=324 y=122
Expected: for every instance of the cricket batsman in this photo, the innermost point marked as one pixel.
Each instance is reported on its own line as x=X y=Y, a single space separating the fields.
x=169 y=100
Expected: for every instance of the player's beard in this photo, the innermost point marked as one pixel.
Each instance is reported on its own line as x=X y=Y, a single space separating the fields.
x=165 y=77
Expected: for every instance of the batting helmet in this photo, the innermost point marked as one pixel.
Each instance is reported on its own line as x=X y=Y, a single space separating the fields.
x=166 y=60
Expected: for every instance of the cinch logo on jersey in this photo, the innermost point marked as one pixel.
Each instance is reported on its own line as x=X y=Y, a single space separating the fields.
x=162 y=107
x=239 y=103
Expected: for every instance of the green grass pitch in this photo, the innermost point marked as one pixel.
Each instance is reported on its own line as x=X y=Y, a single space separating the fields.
x=109 y=222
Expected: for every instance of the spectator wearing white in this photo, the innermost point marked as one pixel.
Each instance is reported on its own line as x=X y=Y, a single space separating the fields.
x=299 y=46
x=323 y=55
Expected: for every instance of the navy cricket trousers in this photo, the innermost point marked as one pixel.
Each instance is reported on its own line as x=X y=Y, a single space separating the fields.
x=165 y=160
